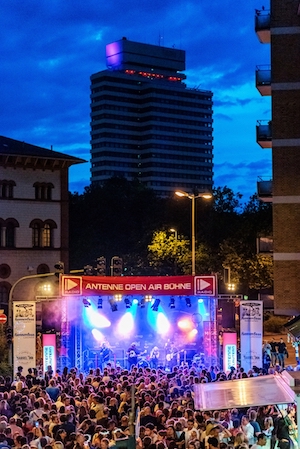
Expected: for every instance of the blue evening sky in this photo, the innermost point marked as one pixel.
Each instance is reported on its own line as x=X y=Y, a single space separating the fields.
x=49 y=49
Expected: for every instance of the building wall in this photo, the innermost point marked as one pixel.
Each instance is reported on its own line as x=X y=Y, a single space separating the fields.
x=285 y=66
x=24 y=259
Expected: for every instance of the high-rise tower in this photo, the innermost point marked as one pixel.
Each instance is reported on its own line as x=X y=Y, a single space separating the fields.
x=146 y=123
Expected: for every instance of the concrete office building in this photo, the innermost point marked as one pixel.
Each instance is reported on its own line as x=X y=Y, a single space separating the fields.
x=146 y=124
x=280 y=26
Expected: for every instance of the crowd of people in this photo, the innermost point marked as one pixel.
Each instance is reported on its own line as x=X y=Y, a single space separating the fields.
x=152 y=408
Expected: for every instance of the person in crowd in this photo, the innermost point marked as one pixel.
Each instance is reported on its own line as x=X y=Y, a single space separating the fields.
x=261 y=441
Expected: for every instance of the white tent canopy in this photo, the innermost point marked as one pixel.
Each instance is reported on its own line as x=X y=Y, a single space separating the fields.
x=249 y=392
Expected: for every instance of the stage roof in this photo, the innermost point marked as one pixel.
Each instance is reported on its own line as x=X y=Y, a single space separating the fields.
x=249 y=392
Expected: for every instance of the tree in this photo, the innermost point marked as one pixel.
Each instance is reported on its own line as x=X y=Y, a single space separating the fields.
x=168 y=255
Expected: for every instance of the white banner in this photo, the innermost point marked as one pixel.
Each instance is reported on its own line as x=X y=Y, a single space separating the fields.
x=251 y=334
x=24 y=335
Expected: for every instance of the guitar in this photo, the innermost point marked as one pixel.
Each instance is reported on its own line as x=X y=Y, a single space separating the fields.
x=132 y=354
x=172 y=354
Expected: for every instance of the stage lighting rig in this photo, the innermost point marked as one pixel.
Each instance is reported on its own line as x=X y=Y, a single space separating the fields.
x=188 y=301
x=155 y=305
x=113 y=305
x=172 y=303
x=100 y=303
x=142 y=303
x=86 y=302
x=127 y=302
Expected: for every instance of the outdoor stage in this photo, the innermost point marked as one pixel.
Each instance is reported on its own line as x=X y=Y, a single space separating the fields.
x=117 y=311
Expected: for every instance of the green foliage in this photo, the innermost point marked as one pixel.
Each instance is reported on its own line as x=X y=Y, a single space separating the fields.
x=248 y=270
x=168 y=255
x=127 y=219
x=275 y=324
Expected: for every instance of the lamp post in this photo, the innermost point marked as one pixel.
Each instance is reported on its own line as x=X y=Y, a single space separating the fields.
x=193 y=197
x=175 y=232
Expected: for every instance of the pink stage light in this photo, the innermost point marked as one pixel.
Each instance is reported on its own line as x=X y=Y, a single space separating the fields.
x=185 y=324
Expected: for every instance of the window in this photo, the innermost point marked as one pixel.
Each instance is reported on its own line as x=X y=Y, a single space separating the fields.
x=36 y=234
x=7 y=232
x=42 y=233
x=5 y=270
x=43 y=191
x=6 y=189
x=46 y=236
x=42 y=269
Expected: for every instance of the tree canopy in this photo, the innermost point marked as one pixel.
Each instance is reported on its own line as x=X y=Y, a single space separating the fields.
x=127 y=219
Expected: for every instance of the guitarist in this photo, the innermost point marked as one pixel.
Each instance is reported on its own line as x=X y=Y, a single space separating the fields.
x=171 y=356
x=132 y=355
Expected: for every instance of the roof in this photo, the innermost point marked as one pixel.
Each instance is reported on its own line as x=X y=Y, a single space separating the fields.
x=249 y=392
x=14 y=152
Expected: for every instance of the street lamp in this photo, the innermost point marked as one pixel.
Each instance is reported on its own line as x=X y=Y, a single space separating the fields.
x=193 y=197
x=175 y=232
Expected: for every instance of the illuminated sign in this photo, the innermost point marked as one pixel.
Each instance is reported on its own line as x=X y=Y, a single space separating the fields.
x=162 y=285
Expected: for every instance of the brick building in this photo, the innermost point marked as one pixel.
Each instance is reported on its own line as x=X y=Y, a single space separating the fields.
x=280 y=27
x=34 y=217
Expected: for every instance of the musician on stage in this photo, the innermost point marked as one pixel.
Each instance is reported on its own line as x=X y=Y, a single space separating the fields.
x=132 y=355
x=104 y=355
x=154 y=356
x=171 y=355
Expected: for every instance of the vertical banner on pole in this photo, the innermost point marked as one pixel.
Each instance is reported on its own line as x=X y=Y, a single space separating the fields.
x=251 y=333
x=24 y=335
x=229 y=350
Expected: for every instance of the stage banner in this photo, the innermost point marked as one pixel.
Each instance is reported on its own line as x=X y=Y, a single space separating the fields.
x=156 y=285
x=229 y=350
x=251 y=334
x=24 y=335
x=49 y=352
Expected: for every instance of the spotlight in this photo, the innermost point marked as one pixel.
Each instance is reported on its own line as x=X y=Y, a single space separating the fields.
x=99 y=302
x=200 y=300
x=172 y=303
x=86 y=303
x=155 y=305
x=118 y=298
x=148 y=298
x=142 y=303
x=113 y=305
x=127 y=302
x=188 y=301
x=135 y=301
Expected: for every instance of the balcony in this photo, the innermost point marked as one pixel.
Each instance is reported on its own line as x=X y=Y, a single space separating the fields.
x=263 y=79
x=262 y=25
x=265 y=190
x=264 y=133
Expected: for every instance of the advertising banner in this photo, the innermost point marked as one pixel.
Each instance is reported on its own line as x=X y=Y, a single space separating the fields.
x=229 y=350
x=156 y=285
x=251 y=332
x=24 y=335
